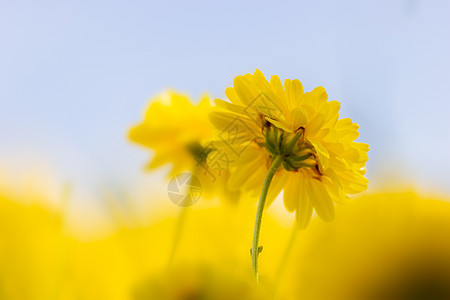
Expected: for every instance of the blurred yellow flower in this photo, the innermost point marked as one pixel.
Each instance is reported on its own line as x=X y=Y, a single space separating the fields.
x=32 y=251
x=180 y=134
x=267 y=124
x=210 y=261
x=175 y=129
x=187 y=282
x=384 y=246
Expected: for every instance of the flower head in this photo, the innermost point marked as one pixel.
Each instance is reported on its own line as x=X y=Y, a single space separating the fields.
x=321 y=161
x=180 y=132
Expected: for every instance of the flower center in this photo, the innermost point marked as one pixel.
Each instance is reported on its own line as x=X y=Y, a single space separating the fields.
x=296 y=151
x=198 y=152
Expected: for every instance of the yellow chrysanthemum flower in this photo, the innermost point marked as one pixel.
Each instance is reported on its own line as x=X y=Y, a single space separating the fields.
x=267 y=124
x=180 y=133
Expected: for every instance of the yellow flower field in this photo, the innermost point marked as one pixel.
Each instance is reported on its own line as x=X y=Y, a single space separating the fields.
x=202 y=239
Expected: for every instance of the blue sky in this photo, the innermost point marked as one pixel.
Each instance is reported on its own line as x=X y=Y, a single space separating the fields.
x=75 y=75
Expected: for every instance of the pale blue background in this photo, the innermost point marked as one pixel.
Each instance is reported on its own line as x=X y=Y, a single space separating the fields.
x=74 y=75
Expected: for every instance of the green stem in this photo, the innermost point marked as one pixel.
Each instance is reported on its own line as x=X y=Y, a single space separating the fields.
x=262 y=201
x=177 y=234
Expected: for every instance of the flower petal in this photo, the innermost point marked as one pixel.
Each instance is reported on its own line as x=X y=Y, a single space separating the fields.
x=304 y=206
x=321 y=200
x=291 y=194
